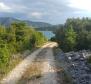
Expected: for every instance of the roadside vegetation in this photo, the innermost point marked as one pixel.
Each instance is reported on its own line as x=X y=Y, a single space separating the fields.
x=74 y=35
x=14 y=40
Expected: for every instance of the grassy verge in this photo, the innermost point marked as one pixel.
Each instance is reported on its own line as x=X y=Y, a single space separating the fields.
x=14 y=60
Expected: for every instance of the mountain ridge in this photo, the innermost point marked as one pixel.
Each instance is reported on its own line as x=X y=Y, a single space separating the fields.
x=6 y=21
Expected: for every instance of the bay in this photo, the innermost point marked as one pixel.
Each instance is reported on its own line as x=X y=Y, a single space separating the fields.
x=48 y=34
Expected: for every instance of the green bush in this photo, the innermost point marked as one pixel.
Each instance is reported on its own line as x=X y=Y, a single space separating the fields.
x=4 y=56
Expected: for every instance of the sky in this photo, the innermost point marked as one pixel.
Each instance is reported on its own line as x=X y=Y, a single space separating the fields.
x=51 y=11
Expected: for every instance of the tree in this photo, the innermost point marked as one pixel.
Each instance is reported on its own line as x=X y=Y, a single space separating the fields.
x=82 y=41
x=70 y=39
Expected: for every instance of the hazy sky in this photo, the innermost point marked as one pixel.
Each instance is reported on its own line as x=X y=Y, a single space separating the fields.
x=52 y=11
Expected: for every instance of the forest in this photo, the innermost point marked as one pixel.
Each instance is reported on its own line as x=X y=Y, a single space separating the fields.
x=74 y=35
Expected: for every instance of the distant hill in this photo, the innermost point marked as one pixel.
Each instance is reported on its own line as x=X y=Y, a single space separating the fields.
x=6 y=21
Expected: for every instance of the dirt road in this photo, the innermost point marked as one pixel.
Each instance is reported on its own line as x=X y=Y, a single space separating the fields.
x=46 y=65
x=49 y=75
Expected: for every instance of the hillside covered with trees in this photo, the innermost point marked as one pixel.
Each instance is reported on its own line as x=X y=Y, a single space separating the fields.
x=74 y=35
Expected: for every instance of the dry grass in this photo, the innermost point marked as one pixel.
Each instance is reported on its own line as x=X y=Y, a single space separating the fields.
x=32 y=73
x=12 y=63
